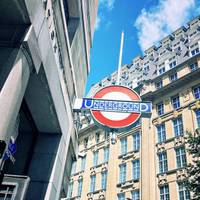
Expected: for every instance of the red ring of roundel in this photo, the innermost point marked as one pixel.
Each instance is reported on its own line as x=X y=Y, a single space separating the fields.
x=116 y=123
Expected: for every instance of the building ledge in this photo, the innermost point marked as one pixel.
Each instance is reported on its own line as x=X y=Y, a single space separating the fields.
x=171 y=171
x=97 y=193
x=128 y=183
x=128 y=155
x=178 y=141
x=150 y=96
x=103 y=165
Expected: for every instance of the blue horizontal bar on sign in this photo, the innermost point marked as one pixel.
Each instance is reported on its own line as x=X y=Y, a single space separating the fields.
x=116 y=105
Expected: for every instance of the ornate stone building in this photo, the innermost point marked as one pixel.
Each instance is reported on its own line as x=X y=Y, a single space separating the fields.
x=147 y=162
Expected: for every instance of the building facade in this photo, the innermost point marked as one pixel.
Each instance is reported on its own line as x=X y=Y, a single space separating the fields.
x=44 y=55
x=149 y=161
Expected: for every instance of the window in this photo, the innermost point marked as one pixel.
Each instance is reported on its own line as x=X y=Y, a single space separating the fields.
x=122 y=173
x=146 y=69
x=193 y=66
x=121 y=196
x=161 y=70
x=66 y=9
x=95 y=158
x=172 y=64
x=163 y=166
x=178 y=126
x=97 y=137
x=195 y=51
x=92 y=183
x=164 y=192
x=175 y=102
x=80 y=185
x=72 y=22
x=136 y=169
x=123 y=146
x=173 y=77
x=73 y=170
x=136 y=141
x=85 y=142
x=106 y=154
x=180 y=157
x=159 y=84
x=198 y=117
x=196 y=92
x=160 y=108
x=161 y=133
x=104 y=179
x=70 y=190
x=135 y=195
x=83 y=161
x=184 y=194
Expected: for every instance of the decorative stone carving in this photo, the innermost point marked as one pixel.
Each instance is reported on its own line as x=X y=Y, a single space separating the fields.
x=175 y=114
x=186 y=95
x=160 y=147
x=197 y=104
x=162 y=179
x=167 y=101
x=179 y=141
x=181 y=174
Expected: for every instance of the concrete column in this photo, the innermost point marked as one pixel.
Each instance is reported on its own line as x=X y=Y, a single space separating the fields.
x=12 y=94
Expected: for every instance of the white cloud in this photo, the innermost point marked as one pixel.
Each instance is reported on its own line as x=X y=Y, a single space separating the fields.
x=97 y=23
x=104 y=5
x=109 y=4
x=163 y=19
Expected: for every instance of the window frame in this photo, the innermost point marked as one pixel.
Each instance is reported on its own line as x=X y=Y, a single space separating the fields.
x=104 y=175
x=136 y=141
x=175 y=101
x=181 y=159
x=166 y=193
x=197 y=113
x=136 y=169
x=182 y=189
x=122 y=173
x=178 y=127
x=160 y=108
x=124 y=147
x=197 y=93
x=92 y=183
x=162 y=162
x=95 y=158
x=161 y=134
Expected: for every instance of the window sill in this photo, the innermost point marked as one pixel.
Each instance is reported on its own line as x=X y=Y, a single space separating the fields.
x=170 y=171
x=127 y=183
x=169 y=140
x=99 y=165
x=130 y=153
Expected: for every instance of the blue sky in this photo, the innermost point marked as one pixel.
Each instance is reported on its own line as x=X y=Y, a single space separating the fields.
x=144 y=23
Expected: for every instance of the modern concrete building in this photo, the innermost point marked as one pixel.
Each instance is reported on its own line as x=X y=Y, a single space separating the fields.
x=44 y=63
x=147 y=162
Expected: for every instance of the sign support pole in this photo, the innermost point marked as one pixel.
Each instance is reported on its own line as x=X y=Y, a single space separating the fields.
x=120 y=58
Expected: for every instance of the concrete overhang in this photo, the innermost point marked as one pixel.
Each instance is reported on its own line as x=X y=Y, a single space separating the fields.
x=40 y=103
x=14 y=21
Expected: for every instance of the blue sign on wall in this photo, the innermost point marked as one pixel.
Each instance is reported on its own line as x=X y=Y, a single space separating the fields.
x=12 y=149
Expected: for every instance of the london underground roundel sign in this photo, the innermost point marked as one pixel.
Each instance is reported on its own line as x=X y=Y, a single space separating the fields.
x=116 y=119
x=114 y=107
